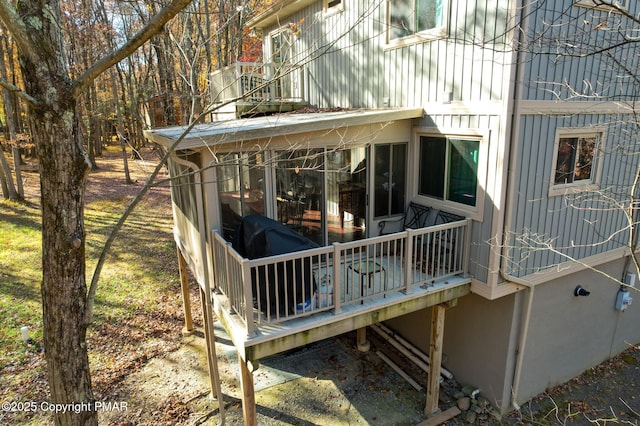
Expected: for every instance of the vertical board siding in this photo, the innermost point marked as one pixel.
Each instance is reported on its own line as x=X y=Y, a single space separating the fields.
x=560 y=40
x=356 y=70
x=578 y=225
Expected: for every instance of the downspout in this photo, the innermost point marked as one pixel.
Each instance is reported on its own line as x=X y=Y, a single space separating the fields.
x=520 y=17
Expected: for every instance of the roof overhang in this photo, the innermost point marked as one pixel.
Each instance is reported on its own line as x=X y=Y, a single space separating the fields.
x=278 y=12
x=233 y=131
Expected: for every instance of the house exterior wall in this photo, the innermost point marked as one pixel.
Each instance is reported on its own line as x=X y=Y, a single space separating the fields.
x=564 y=88
x=577 y=225
x=568 y=31
x=351 y=46
x=353 y=66
x=568 y=334
x=478 y=352
x=517 y=104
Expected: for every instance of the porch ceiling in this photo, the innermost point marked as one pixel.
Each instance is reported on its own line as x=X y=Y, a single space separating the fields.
x=231 y=131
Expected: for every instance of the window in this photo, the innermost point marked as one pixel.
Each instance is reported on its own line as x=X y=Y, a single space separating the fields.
x=574 y=160
x=449 y=169
x=414 y=20
x=240 y=178
x=333 y=5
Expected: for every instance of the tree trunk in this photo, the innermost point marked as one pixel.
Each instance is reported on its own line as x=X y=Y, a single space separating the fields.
x=8 y=107
x=62 y=182
x=7 y=177
x=121 y=131
x=54 y=126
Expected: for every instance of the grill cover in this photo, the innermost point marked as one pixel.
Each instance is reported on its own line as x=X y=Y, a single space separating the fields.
x=277 y=288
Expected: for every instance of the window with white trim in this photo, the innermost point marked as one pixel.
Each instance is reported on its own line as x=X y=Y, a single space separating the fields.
x=333 y=5
x=574 y=160
x=449 y=169
x=412 y=21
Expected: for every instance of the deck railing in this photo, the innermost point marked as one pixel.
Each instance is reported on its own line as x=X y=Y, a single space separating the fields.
x=251 y=81
x=278 y=288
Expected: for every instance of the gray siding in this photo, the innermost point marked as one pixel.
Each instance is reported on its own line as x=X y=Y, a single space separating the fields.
x=580 y=225
x=561 y=38
x=355 y=69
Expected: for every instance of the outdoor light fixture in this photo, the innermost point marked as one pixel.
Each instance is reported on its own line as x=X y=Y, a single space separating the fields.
x=579 y=291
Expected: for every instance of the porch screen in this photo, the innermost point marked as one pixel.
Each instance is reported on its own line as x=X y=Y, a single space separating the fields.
x=183 y=184
x=240 y=188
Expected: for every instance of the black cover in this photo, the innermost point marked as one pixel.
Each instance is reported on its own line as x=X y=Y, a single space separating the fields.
x=259 y=236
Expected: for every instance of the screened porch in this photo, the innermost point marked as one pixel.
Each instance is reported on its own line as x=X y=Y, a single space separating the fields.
x=325 y=291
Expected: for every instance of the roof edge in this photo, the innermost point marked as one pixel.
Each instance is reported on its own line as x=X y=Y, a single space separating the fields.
x=278 y=11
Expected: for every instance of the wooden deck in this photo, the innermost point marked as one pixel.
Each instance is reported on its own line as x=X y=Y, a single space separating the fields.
x=372 y=280
x=274 y=338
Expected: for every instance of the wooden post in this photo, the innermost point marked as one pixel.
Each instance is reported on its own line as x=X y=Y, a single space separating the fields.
x=212 y=360
x=362 y=342
x=248 y=393
x=435 y=355
x=186 y=298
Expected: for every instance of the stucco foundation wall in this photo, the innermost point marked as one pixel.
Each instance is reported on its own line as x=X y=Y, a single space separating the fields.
x=477 y=341
x=569 y=334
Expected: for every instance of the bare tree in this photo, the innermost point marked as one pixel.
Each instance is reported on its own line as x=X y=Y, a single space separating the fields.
x=52 y=96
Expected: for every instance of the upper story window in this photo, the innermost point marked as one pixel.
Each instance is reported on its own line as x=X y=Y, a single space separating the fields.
x=331 y=6
x=575 y=165
x=282 y=46
x=413 y=21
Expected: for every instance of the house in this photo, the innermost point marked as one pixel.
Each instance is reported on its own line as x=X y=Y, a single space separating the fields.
x=426 y=104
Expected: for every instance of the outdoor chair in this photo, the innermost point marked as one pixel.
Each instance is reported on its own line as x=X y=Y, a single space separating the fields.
x=414 y=218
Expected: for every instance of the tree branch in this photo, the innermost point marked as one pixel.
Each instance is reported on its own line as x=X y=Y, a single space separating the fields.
x=18 y=30
x=152 y=28
x=19 y=92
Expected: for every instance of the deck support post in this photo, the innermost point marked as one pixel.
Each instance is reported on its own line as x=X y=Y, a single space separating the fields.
x=248 y=393
x=435 y=356
x=186 y=298
x=212 y=359
x=361 y=340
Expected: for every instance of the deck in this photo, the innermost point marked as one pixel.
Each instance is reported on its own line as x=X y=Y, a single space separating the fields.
x=281 y=302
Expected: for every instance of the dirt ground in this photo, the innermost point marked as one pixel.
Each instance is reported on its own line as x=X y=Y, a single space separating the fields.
x=332 y=383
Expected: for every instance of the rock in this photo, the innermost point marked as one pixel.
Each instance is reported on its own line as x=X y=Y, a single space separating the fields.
x=458 y=395
x=470 y=417
x=464 y=403
x=469 y=390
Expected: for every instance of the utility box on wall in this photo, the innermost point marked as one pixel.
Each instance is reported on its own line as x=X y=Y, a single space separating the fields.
x=623 y=298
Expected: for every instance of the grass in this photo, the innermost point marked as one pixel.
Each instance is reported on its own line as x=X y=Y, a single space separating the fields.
x=137 y=313
x=140 y=265
x=20 y=276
